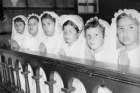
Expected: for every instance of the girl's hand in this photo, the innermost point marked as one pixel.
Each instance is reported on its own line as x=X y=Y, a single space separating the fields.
x=42 y=49
x=14 y=45
x=62 y=53
x=123 y=58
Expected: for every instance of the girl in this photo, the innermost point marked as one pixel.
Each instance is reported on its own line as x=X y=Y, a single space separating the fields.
x=19 y=27
x=126 y=26
x=31 y=43
x=99 y=46
x=73 y=42
x=51 y=37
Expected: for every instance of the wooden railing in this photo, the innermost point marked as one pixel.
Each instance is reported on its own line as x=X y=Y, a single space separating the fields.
x=26 y=73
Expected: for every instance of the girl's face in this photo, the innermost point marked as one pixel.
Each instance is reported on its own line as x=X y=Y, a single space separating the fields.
x=70 y=34
x=19 y=27
x=48 y=26
x=33 y=26
x=128 y=31
x=94 y=38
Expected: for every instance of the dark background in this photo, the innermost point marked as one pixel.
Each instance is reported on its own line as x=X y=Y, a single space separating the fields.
x=107 y=8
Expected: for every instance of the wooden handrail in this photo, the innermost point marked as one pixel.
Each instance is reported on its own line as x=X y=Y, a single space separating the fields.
x=99 y=73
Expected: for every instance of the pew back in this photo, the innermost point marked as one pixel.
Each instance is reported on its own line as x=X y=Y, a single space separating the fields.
x=26 y=73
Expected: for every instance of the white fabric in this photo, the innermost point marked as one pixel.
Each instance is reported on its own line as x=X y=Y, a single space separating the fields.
x=134 y=54
x=132 y=12
x=77 y=49
x=22 y=78
x=79 y=86
x=52 y=43
x=59 y=83
x=104 y=90
x=31 y=43
x=107 y=52
x=32 y=83
x=74 y=18
x=44 y=88
x=19 y=38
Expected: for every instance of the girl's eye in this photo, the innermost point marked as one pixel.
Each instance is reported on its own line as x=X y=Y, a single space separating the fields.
x=121 y=28
x=131 y=27
x=96 y=34
x=44 y=24
x=48 y=23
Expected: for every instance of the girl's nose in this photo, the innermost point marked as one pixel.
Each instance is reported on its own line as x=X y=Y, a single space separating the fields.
x=92 y=39
x=125 y=32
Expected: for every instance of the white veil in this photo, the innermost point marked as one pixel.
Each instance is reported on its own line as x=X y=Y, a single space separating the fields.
x=51 y=43
x=108 y=50
x=31 y=43
x=134 y=14
x=133 y=55
x=78 y=47
x=19 y=38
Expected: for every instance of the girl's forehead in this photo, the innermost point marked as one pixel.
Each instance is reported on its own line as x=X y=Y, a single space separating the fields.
x=127 y=20
x=94 y=30
x=19 y=22
x=33 y=20
x=68 y=26
x=47 y=20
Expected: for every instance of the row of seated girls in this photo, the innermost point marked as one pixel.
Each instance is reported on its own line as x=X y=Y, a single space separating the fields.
x=66 y=35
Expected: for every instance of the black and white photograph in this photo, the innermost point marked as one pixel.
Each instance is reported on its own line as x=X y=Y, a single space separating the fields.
x=69 y=46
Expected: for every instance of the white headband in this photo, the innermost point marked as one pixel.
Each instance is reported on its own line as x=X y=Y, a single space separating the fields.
x=74 y=18
x=33 y=14
x=53 y=14
x=20 y=16
x=134 y=14
x=102 y=22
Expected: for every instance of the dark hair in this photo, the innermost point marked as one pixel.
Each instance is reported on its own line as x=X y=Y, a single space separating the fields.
x=47 y=16
x=34 y=17
x=69 y=22
x=121 y=16
x=18 y=19
x=124 y=15
x=93 y=24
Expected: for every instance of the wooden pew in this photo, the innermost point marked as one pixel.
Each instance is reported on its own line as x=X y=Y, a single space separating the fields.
x=27 y=73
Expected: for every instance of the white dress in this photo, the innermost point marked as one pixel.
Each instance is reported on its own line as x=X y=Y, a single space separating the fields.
x=31 y=45
x=133 y=57
x=76 y=50
x=103 y=56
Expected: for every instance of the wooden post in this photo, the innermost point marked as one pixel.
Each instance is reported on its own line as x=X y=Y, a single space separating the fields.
x=50 y=84
x=68 y=90
x=10 y=66
x=25 y=73
x=36 y=78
